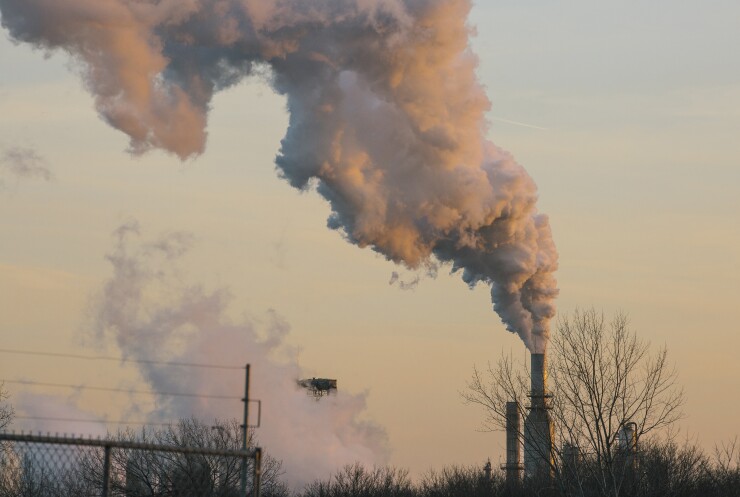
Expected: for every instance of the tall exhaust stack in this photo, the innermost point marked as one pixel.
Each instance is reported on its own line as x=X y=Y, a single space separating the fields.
x=538 y=431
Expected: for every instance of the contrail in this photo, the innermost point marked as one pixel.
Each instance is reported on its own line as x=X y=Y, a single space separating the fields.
x=517 y=123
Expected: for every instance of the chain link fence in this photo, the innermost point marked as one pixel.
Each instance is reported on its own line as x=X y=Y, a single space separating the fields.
x=52 y=466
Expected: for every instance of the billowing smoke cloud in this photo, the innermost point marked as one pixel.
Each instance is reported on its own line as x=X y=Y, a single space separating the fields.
x=151 y=314
x=387 y=119
x=22 y=162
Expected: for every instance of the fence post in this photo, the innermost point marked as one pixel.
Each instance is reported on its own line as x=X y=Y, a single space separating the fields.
x=106 y=471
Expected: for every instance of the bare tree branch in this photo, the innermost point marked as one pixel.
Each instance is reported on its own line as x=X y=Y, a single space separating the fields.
x=602 y=377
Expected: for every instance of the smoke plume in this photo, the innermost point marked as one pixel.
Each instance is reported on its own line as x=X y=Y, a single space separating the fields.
x=151 y=314
x=387 y=119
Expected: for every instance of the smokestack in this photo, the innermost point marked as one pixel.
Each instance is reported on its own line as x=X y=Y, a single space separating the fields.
x=538 y=460
x=538 y=380
x=513 y=466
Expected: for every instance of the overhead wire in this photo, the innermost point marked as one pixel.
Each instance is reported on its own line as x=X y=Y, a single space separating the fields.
x=112 y=389
x=82 y=420
x=118 y=359
x=120 y=390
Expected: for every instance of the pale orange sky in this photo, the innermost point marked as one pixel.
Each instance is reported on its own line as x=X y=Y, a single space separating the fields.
x=637 y=168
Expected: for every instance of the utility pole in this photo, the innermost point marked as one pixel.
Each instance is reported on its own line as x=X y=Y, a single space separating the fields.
x=245 y=431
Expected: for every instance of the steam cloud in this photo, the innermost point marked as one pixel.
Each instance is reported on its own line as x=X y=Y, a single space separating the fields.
x=387 y=119
x=150 y=313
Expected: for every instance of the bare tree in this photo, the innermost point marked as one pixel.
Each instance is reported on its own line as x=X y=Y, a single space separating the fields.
x=139 y=473
x=6 y=410
x=8 y=464
x=603 y=380
x=356 y=481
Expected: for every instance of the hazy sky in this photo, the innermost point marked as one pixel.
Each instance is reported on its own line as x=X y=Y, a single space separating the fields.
x=629 y=121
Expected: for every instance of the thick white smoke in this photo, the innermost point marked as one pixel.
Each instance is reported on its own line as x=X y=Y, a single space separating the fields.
x=386 y=118
x=151 y=314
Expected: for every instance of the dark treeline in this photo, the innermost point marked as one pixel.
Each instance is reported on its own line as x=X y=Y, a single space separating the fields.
x=665 y=469
x=661 y=469
x=654 y=467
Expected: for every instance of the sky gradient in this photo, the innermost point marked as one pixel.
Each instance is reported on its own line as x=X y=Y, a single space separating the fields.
x=628 y=117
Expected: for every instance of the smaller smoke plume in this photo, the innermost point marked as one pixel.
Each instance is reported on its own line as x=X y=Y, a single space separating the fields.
x=23 y=163
x=150 y=314
x=31 y=404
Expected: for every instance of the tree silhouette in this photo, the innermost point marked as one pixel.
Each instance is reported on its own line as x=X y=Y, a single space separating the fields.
x=608 y=391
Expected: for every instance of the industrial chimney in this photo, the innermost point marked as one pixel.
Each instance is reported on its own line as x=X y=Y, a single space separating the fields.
x=538 y=431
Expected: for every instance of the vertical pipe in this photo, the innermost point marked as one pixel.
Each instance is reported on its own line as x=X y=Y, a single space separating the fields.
x=513 y=443
x=627 y=444
x=245 y=431
x=106 y=471
x=257 y=477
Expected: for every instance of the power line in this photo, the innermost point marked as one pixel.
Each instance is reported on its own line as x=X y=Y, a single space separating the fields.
x=120 y=390
x=82 y=420
x=118 y=359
